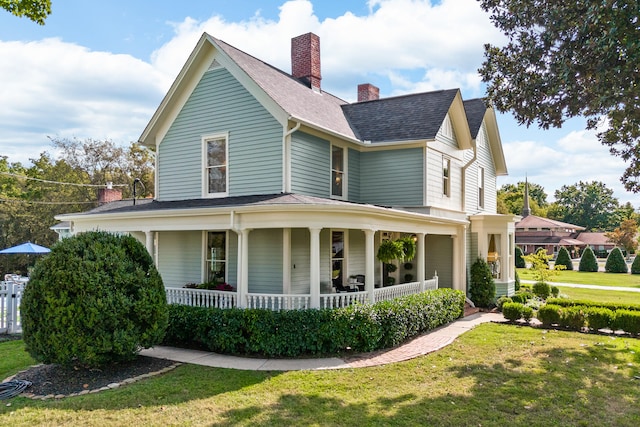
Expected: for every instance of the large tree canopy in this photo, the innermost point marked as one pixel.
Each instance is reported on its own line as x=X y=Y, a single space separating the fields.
x=511 y=199
x=36 y=10
x=568 y=59
x=588 y=204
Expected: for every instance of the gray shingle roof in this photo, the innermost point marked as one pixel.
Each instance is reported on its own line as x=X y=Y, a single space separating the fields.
x=475 y=110
x=146 y=205
x=401 y=118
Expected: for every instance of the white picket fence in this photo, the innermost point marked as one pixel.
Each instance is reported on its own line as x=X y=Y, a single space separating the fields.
x=10 y=296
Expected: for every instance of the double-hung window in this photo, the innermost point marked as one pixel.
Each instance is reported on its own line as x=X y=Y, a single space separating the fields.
x=446 y=176
x=216 y=257
x=337 y=171
x=216 y=179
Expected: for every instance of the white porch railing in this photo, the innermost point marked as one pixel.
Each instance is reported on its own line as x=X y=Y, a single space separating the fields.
x=278 y=301
x=10 y=297
x=201 y=297
x=342 y=299
x=226 y=299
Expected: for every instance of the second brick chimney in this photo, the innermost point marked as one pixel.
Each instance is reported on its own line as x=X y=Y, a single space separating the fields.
x=109 y=194
x=368 y=92
x=305 y=59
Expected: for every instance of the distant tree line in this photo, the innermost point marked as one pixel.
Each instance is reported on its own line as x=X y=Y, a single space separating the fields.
x=30 y=196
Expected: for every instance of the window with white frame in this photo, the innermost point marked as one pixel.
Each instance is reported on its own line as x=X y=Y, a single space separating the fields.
x=337 y=258
x=481 y=187
x=215 y=163
x=216 y=257
x=337 y=171
x=446 y=176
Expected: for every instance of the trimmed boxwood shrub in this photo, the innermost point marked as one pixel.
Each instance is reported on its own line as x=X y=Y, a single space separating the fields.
x=588 y=261
x=573 y=317
x=635 y=265
x=501 y=301
x=610 y=305
x=291 y=333
x=95 y=299
x=521 y=297
x=541 y=290
x=628 y=321
x=615 y=262
x=520 y=263
x=527 y=313
x=483 y=289
x=549 y=314
x=555 y=291
x=564 y=258
x=512 y=311
x=599 y=318
x=517 y=284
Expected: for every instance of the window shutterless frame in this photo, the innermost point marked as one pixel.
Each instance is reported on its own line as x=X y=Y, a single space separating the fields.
x=215 y=174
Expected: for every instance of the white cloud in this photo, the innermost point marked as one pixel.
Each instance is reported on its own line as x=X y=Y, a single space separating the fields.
x=58 y=89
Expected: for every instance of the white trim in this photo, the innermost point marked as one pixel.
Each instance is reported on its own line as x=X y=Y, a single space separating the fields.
x=204 y=166
x=286 y=261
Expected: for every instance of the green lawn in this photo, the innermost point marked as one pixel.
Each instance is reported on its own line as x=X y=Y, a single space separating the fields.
x=581 y=277
x=600 y=295
x=495 y=375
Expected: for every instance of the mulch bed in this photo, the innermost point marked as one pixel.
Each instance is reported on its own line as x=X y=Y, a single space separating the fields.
x=58 y=380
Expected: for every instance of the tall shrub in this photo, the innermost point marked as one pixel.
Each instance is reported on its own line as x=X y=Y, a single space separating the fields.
x=588 y=261
x=483 y=288
x=519 y=260
x=564 y=258
x=635 y=265
x=96 y=299
x=615 y=262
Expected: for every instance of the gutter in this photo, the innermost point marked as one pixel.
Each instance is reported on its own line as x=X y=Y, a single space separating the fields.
x=286 y=157
x=464 y=175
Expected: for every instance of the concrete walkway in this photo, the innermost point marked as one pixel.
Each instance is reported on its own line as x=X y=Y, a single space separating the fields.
x=424 y=344
x=599 y=287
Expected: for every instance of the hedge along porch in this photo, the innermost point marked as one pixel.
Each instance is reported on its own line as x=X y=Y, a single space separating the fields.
x=286 y=245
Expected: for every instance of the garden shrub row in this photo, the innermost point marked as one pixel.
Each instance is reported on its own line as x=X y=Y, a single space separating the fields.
x=576 y=317
x=514 y=311
x=610 y=305
x=291 y=333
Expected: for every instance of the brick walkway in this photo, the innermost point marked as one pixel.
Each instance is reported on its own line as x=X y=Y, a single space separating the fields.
x=424 y=344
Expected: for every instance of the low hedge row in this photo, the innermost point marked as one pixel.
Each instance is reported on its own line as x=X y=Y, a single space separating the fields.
x=290 y=333
x=563 y=302
x=577 y=317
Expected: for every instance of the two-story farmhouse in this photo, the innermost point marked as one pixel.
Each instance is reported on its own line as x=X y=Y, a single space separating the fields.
x=285 y=192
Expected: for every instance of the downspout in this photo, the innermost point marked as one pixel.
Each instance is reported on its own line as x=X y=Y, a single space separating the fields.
x=286 y=157
x=464 y=176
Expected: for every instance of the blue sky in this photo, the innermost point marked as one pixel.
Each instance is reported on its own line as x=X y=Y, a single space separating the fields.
x=99 y=69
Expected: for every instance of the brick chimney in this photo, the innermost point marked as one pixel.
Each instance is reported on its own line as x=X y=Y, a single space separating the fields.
x=305 y=59
x=368 y=92
x=109 y=194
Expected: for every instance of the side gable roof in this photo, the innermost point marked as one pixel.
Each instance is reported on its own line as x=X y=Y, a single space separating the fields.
x=532 y=221
x=402 y=118
x=478 y=112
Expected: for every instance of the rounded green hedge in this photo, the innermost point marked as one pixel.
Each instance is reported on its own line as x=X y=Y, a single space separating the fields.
x=615 y=262
x=635 y=265
x=482 y=290
x=564 y=258
x=95 y=299
x=588 y=261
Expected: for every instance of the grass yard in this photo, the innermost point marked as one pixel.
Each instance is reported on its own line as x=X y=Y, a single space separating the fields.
x=586 y=278
x=494 y=375
x=600 y=295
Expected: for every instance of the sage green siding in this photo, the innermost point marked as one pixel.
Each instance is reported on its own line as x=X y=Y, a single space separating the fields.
x=300 y=268
x=265 y=261
x=220 y=104
x=392 y=177
x=232 y=259
x=439 y=254
x=353 y=175
x=180 y=257
x=356 y=258
x=310 y=165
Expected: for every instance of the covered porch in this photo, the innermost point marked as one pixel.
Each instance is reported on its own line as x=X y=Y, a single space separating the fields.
x=289 y=251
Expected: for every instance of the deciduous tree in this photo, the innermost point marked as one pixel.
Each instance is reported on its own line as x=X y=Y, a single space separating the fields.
x=570 y=59
x=588 y=204
x=35 y=10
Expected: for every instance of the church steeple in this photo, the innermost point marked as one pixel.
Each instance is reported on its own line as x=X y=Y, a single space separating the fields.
x=526 y=211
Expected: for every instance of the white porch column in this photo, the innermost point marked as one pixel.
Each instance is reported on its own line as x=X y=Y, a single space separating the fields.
x=243 y=266
x=369 y=264
x=149 y=242
x=504 y=262
x=314 y=263
x=458 y=252
x=420 y=255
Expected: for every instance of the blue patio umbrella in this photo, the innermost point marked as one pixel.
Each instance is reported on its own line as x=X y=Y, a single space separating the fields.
x=26 y=248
